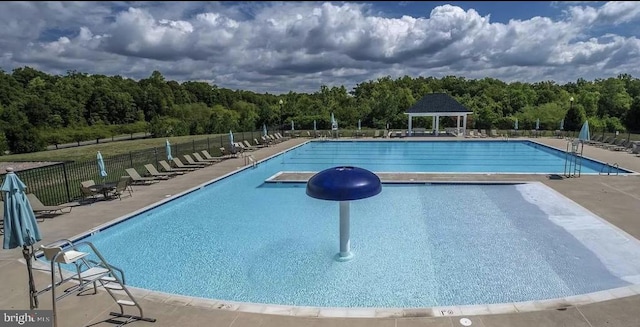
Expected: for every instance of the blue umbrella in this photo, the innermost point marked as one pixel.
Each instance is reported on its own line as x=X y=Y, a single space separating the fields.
x=231 y=138
x=20 y=226
x=584 y=135
x=101 y=170
x=538 y=123
x=516 y=124
x=562 y=124
x=264 y=130
x=168 y=150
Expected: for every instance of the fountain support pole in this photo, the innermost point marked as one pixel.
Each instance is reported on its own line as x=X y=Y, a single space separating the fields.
x=345 y=243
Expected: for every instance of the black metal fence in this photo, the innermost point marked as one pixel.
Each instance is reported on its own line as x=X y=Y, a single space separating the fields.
x=60 y=182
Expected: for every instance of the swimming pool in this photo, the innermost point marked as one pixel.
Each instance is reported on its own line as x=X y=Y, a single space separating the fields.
x=437 y=156
x=421 y=245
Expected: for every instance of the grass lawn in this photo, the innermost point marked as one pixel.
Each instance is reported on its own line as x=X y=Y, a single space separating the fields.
x=107 y=149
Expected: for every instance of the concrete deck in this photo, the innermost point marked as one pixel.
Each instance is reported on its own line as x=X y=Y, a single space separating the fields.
x=614 y=198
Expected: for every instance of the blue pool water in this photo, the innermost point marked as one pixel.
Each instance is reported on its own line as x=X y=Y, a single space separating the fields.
x=240 y=239
x=438 y=156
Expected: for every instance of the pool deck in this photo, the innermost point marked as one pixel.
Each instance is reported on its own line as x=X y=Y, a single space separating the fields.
x=614 y=198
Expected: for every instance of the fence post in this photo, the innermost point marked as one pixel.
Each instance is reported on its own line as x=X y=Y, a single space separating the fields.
x=193 y=145
x=155 y=152
x=131 y=159
x=208 y=145
x=66 y=181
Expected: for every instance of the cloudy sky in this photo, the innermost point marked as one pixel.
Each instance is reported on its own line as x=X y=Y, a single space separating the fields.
x=276 y=47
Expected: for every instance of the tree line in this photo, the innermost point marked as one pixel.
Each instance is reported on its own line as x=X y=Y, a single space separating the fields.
x=37 y=109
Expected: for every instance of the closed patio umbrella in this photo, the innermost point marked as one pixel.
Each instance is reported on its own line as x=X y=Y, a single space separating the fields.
x=516 y=124
x=167 y=148
x=584 y=135
x=537 y=123
x=231 y=138
x=101 y=169
x=562 y=124
x=358 y=124
x=292 y=126
x=264 y=130
x=20 y=226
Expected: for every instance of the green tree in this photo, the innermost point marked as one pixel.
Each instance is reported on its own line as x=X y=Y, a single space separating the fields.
x=632 y=118
x=574 y=118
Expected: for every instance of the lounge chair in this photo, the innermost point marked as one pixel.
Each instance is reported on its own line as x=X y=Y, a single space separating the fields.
x=260 y=145
x=245 y=148
x=139 y=180
x=39 y=208
x=229 y=154
x=266 y=140
x=248 y=145
x=199 y=158
x=167 y=167
x=207 y=155
x=179 y=164
x=155 y=173
x=376 y=134
x=192 y=162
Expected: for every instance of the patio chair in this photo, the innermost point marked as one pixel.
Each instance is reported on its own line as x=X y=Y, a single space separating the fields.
x=123 y=185
x=39 y=208
x=154 y=172
x=376 y=134
x=494 y=133
x=199 y=158
x=192 y=162
x=139 y=180
x=88 y=191
x=167 y=167
x=179 y=164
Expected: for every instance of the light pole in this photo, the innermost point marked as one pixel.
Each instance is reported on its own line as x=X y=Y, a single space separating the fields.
x=281 y=128
x=571 y=109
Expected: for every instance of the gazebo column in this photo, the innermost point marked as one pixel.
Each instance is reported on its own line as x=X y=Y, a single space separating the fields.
x=458 y=126
x=433 y=124
x=464 y=125
x=437 y=125
x=410 y=119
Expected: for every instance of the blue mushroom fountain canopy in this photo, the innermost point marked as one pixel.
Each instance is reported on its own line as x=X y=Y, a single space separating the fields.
x=343 y=184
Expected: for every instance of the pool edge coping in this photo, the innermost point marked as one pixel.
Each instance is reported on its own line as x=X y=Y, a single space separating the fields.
x=374 y=312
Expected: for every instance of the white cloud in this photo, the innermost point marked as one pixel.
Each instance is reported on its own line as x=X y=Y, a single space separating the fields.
x=277 y=47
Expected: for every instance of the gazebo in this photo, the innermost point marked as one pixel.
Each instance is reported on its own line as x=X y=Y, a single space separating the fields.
x=437 y=105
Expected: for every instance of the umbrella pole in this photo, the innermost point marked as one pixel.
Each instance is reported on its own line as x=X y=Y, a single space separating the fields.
x=33 y=296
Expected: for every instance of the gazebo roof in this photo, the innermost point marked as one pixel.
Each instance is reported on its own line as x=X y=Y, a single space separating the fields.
x=434 y=103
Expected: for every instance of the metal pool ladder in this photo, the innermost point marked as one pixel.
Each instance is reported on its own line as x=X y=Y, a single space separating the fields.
x=573 y=159
x=609 y=167
x=250 y=159
x=88 y=271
